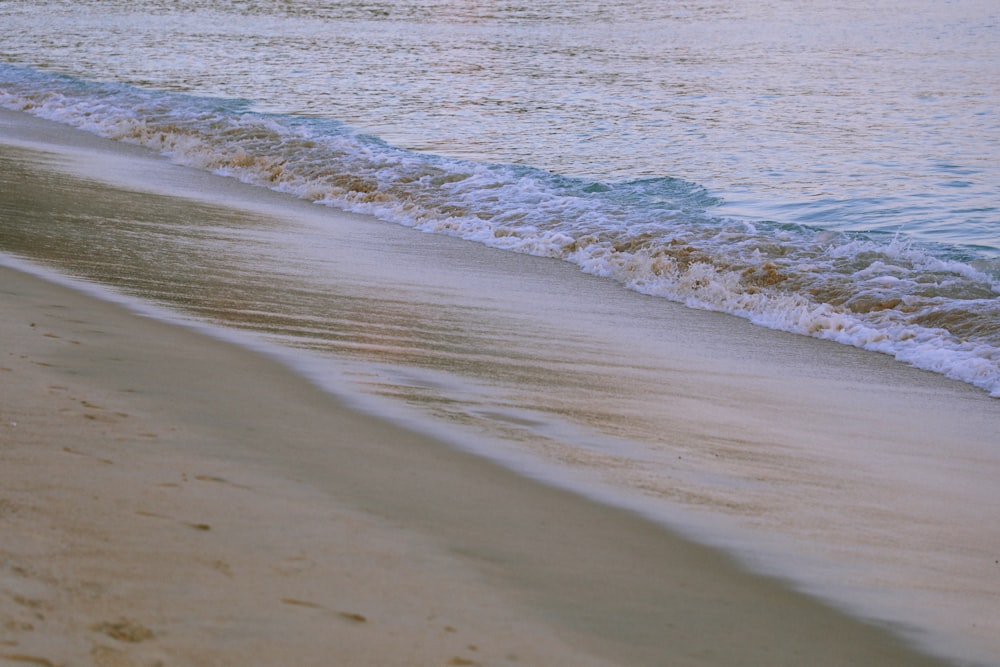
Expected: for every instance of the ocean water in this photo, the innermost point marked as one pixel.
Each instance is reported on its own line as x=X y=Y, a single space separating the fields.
x=830 y=170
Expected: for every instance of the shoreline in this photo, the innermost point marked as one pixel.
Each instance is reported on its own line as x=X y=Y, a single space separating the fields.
x=434 y=517
x=138 y=530
x=148 y=515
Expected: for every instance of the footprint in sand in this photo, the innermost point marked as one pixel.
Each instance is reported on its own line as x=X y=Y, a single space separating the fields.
x=220 y=480
x=211 y=478
x=70 y=450
x=351 y=616
x=27 y=659
x=223 y=567
x=124 y=630
x=301 y=603
x=463 y=661
x=104 y=415
x=36 y=607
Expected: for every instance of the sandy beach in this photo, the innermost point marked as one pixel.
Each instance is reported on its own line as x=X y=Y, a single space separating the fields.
x=170 y=499
x=167 y=498
x=499 y=334
x=144 y=521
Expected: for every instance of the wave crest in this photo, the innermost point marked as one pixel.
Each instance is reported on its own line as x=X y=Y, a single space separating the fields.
x=655 y=236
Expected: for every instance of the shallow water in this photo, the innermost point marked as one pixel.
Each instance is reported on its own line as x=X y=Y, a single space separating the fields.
x=848 y=116
x=812 y=171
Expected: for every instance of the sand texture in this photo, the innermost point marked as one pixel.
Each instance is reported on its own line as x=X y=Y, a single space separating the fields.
x=135 y=535
x=169 y=499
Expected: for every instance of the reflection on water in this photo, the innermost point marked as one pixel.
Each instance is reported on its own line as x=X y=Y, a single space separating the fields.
x=848 y=115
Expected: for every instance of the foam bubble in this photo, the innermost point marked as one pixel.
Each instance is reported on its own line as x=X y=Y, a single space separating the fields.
x=656 y=236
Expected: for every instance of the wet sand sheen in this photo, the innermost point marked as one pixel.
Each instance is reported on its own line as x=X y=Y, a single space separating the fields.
x=602 y=581
x=171 y=497
x=151 y=514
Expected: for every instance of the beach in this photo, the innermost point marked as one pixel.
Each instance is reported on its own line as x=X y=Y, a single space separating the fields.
x=154 y=512
x=171 y=497
x=495 y=333
x=175 y=493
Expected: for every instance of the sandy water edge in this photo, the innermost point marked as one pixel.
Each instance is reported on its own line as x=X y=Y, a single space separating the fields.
x=427 y=522
x=133 y=534
x=171 y=499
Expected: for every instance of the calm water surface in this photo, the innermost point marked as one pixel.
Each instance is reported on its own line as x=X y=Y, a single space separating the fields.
x=861 y=116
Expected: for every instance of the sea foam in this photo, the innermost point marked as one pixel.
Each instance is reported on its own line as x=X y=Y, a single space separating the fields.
x=935 y=307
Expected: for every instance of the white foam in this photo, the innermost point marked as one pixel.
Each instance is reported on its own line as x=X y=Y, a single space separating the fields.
x=653 y=236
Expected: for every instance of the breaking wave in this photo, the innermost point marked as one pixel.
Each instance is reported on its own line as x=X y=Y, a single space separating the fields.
x=933 y=306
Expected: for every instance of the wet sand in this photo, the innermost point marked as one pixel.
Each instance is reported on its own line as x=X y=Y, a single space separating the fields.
x=168 y=498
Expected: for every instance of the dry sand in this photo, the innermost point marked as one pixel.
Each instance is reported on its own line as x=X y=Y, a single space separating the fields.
x=169 y=499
